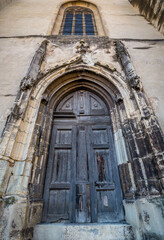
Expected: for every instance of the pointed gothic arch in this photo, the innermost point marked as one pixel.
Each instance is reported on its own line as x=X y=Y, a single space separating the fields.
x=56 y=87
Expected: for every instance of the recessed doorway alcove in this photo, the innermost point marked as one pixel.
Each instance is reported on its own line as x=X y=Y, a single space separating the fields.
x=75 y=156
x=82 y=189
x=82 y=183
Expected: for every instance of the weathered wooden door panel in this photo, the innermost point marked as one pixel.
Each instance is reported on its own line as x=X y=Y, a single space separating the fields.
x=59 y=200
x=106 y=206
x=58 y=184
x=101 y=153
x=82 y=183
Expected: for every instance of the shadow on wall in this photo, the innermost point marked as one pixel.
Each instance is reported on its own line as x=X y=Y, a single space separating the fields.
x=3 y=3
x=153 y=11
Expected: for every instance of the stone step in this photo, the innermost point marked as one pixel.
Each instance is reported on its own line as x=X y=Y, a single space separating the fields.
x=91 y=231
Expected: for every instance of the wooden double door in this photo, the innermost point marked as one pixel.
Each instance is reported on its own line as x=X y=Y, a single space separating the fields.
x=82 y=183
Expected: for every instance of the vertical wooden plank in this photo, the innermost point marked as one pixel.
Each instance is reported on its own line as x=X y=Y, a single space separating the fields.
x=81 y=161
x=73 y=175
x=91 y=175
x=82 y=177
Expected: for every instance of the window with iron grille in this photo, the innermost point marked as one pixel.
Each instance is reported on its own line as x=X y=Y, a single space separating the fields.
x=78 y=21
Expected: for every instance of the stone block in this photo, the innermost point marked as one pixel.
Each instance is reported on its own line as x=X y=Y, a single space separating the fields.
x=18 y=168
x=27 y=169
x=18 y=185
x=35 y=214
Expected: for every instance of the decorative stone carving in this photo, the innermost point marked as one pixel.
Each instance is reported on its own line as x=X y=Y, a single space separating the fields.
x=27 y=83
x=147 y=112
x=119 y=99
x=29 y=80
x=109 y=67
x=67 y=64
x=16 y=112
x=132 y=78
x=82 y=47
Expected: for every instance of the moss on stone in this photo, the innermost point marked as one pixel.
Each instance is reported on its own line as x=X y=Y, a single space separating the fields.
x=9 y=200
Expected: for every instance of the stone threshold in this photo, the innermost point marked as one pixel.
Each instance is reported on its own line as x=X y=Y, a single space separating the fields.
x=89 y=231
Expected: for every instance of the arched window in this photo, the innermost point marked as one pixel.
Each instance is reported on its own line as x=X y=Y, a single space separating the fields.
x=78 y=21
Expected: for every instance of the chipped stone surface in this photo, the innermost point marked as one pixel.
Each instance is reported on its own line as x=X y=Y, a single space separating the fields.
x=15 y=209
x=147 y=216
x=98 y=49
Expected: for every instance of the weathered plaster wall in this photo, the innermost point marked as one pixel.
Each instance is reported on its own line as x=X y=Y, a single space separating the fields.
x=16 y=56
x=152 y=10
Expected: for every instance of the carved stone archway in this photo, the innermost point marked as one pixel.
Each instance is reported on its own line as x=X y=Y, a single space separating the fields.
x=25 y=142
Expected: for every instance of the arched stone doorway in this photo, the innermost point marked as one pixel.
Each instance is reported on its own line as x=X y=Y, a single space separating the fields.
x=131 y=122
x=82 y=182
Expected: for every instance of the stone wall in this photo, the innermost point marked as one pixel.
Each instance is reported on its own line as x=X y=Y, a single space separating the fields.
x=153 y=10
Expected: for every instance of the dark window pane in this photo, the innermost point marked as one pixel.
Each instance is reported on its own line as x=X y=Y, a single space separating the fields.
x=67 y=30
x=76 y=20
x=78 y=24
x=89 y=25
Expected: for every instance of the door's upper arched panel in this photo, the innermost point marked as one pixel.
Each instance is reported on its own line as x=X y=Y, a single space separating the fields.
x=82 y=102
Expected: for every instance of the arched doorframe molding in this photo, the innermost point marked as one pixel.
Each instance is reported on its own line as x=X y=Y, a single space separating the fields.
x=54 y=88
x=114 y=84
x=24 y=115
x=58 y=84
